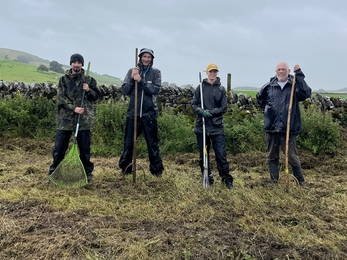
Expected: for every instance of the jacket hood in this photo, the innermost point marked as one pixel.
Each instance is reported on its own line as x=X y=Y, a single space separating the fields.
x=216 y=83
x=142 y=51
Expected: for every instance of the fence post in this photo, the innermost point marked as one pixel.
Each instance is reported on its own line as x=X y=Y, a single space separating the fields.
x=229 y=82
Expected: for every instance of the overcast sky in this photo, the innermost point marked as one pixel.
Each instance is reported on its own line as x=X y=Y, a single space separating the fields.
x=246 y=38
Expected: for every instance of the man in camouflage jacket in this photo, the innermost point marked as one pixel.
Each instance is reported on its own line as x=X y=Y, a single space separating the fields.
x=69 y=97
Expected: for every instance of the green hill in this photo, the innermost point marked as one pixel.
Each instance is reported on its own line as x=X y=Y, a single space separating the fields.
x=11 y=69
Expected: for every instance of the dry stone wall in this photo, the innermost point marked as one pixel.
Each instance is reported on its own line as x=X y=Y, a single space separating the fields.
x=169 y=96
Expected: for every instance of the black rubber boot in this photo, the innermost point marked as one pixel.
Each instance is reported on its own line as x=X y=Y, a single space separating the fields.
x=274 y=171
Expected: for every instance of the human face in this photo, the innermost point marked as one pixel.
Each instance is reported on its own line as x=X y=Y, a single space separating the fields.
x=146 y=59
x=282 y=71
x=76 y=67
x=212 y=75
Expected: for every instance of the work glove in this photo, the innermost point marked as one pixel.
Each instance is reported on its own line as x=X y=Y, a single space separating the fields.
x=206 y=113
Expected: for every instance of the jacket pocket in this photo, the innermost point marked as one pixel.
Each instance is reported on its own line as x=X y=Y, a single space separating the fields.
x=65 y=113
x=217 y=121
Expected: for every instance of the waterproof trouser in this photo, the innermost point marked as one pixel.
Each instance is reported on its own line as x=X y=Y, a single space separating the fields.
x=274 y=170
x=218 y=144
x=275 y=141
x=62 y=139
x=149 y=127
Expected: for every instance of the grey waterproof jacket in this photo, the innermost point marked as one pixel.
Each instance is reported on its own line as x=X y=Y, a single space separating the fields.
x=275 y=103
x=215 y=100
x=148 y=88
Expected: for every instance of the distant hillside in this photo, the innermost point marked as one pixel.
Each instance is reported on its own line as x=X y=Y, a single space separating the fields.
x=13 y=55
x=21 y=66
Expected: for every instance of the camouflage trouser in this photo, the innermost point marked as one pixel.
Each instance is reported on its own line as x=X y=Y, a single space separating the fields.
x=61 y=145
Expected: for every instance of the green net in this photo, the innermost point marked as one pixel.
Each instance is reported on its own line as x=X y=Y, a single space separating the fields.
x=70 y=172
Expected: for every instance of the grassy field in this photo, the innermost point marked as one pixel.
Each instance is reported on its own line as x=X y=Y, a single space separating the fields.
x=172 y=217
x=16 y=71
x=251 y=93
x=335 y=95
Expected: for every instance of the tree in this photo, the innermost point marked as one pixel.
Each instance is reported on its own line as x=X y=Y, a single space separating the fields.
x=55 y=66
x=24 y=59
x=42 y=68
x=165 y=84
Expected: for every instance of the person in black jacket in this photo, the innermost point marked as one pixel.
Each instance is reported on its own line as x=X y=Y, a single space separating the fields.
x=215 y=105
x=274 y=98
x=149 y=84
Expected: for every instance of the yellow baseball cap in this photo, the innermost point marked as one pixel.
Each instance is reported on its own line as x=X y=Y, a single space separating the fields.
x=211 y=66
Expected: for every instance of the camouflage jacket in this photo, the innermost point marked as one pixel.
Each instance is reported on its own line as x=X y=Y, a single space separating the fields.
x=69 y=96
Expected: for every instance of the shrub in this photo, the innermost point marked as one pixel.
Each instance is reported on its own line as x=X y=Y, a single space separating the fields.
x=35 y=118
x=244 y=131
x=42 y=68
x=27 y=117
x=108 y=132
x=321 y=134
x=176 y=133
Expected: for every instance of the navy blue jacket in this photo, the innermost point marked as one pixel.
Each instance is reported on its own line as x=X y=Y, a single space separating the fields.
x=275 y=103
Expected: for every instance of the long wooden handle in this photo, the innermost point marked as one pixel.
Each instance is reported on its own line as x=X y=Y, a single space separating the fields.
x=288 y=128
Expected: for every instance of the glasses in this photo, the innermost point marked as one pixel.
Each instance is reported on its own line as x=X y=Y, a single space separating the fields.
x=213 y=71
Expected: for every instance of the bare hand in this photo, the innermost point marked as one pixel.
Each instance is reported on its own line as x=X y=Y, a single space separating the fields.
x=134 y=71
x=135 y=75
x=79 y=110
x=296 y=67
x=85 y=87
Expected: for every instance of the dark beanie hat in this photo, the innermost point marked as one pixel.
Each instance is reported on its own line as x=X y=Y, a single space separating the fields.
x=146 y=50
x=77 y=57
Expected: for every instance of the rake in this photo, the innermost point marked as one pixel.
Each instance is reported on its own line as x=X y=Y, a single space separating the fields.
x=70 y=173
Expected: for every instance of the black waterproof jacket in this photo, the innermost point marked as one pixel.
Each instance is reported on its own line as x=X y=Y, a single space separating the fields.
x=148 y=88
x=215 y=100
x=275 y=103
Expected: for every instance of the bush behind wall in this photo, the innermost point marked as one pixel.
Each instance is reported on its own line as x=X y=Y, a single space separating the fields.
x=36 y=118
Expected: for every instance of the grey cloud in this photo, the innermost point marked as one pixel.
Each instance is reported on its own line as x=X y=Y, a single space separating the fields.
x=245 y=38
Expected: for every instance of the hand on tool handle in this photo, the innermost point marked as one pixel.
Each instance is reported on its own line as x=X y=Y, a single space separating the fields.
x=135 y=75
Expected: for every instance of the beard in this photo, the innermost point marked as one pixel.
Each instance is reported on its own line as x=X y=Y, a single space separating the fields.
x=282 y=78
x=76 y=70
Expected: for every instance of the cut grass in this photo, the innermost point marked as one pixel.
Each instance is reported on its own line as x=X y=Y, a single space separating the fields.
x=169 y=218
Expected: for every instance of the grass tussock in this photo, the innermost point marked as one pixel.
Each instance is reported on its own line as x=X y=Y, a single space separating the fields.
x=172 y=217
